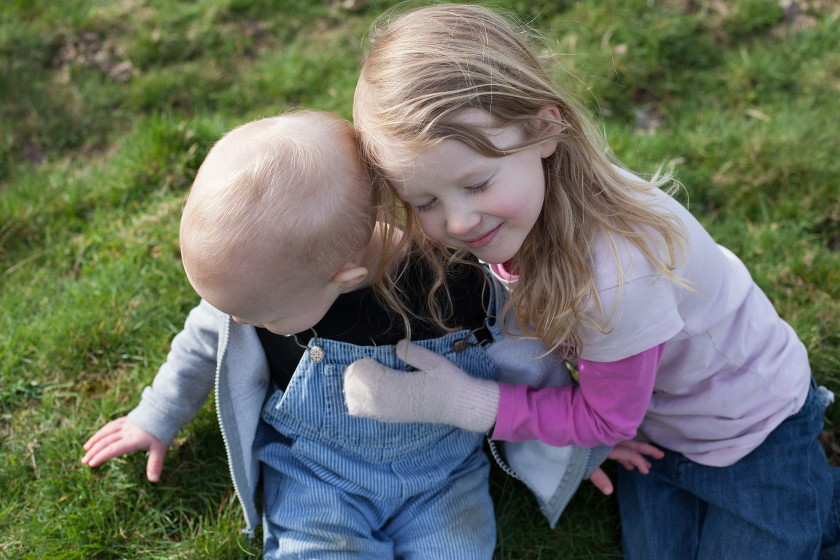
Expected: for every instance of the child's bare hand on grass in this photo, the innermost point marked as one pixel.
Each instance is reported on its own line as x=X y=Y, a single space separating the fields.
x=630 y=454
x=121 y=436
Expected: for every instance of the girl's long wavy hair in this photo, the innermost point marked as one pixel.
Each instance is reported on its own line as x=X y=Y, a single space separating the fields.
x=428 y=64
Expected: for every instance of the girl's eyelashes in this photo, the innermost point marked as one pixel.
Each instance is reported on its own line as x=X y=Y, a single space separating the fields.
x=425 y=207
x=478 y=188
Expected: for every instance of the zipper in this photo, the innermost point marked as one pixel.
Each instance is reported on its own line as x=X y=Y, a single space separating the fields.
x=499 y=461
x=248 y=529
x=494 y=450
x=577 y=483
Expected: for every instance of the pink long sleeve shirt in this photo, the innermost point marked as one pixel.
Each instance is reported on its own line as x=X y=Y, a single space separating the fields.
x=606 y=408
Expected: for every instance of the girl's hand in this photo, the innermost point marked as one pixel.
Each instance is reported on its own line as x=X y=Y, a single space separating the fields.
x=439 y=392
x=631 y=454
x=121 y=436
x=601 y=481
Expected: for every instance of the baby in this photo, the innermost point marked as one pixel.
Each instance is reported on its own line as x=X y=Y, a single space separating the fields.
x=279 y=232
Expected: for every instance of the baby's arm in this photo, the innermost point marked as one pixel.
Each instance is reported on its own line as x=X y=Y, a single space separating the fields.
x=177 y=393
x=121 y=436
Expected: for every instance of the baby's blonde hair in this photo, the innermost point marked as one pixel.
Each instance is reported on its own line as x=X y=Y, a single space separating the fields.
x=290 y=190
x=427 y=65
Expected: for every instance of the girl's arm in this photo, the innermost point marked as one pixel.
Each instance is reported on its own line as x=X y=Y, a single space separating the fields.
x=606 y=408
x=438 y=392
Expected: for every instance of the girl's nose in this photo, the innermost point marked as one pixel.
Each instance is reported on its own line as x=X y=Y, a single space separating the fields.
x=459 y=221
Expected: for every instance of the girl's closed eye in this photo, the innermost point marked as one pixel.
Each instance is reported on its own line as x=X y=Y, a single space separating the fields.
x=426 y=206
x=478 y=189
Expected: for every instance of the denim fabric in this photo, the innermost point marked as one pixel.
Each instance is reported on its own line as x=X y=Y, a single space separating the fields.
x=336 y=486
x=778 y=502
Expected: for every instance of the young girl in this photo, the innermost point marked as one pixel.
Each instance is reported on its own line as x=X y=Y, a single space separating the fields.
x=675 y=344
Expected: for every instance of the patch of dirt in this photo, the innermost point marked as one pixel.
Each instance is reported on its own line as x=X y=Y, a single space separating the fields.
x=34 y=153
x=646 y=115
x=349 y=5
x=90 y=49
x=796 y=18
x=829 y=227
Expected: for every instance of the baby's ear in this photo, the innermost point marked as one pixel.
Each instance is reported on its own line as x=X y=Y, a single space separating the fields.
x=350 y=275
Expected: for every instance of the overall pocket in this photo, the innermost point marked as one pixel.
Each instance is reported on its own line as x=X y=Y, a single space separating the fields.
x=313 y=405
x=385 y=440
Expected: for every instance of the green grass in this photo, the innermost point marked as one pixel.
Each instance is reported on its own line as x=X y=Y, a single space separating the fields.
x=108 y=108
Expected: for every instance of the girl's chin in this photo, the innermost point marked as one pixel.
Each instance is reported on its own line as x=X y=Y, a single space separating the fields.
x=492 y=257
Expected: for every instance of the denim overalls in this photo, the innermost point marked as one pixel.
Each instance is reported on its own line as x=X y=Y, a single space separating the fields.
x=337 y=486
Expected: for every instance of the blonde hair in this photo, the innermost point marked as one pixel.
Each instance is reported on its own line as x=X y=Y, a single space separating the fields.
x=427 y=65
x=289 y=190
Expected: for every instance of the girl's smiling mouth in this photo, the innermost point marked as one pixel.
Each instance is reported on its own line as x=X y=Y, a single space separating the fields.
x=483 y=240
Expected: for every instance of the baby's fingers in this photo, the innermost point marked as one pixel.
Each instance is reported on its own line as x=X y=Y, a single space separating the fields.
x=154 y=466
x=99 y=455
x=97 y=448
x=108 y=429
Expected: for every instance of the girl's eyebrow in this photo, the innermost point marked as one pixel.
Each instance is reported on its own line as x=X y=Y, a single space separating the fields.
x=476 y=173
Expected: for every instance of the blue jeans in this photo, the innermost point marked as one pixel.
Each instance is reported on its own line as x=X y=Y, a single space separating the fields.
x=778 y=502
x=339 y=487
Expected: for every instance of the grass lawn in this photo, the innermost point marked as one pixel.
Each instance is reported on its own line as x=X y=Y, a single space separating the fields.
x=108 y=107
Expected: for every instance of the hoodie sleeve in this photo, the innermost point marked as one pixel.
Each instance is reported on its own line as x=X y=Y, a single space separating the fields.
x=184 y=381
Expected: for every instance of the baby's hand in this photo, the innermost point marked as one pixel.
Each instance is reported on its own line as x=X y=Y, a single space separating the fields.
x=121 y=436
x=630 y=454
